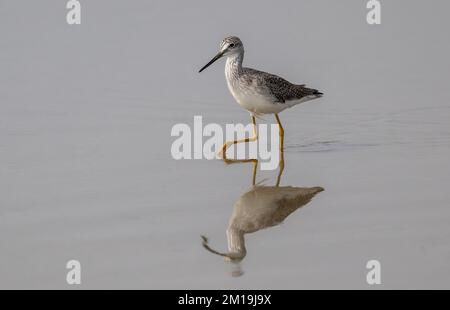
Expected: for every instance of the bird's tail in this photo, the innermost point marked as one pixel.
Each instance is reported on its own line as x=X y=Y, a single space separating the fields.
x=315 y=92
x=307 y=94
x=311 y=93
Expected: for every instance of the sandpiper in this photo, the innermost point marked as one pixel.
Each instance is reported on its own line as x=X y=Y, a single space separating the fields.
x=259 y=208
x=256 y=91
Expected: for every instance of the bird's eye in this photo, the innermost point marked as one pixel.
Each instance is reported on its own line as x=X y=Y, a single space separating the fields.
x=231 y=45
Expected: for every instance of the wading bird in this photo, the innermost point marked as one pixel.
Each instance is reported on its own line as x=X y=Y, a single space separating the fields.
x=258 y=92
x=259 y=208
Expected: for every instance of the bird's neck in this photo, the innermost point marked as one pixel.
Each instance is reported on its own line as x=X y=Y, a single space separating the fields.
x=236 y=243
x=233 y=67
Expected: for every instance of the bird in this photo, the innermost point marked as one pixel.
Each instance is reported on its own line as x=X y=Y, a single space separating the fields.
x=258 y=92
x=259 y=208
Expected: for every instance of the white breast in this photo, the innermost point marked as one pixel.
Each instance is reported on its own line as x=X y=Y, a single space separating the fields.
x=250 y=99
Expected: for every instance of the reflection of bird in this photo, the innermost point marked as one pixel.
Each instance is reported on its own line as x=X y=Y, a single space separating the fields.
x=259 y=208
x=256 y=91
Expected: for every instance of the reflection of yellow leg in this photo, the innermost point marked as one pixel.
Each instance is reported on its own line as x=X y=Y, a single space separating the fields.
x=255 y=166
x=240 y=161
x=226 y=145
x=281 y=164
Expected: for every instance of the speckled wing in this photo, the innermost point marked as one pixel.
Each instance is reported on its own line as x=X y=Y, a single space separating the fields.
x=279 y=88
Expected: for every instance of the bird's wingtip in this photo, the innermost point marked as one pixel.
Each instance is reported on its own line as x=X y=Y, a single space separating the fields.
x=318 y=93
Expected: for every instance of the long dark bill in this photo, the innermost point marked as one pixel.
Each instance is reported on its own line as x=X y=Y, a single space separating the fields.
x=220 y=54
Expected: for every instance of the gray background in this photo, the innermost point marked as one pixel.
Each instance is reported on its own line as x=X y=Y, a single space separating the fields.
x=86 y=172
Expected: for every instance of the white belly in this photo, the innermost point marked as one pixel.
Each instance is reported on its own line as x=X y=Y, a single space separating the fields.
x=253 y=101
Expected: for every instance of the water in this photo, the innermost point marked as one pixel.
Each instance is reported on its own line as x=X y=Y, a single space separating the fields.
x=85 y=119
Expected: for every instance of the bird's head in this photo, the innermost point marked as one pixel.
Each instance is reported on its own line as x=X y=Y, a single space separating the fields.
x=228 y=47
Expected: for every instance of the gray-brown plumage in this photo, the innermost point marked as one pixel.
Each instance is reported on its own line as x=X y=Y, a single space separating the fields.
x=257 y=91
x=281 y=89
x=261 y=207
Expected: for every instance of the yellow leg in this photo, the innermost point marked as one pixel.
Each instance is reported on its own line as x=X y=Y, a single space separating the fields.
x=226 y=145
x=281 y=164
x=240 y=161
x=255 y=166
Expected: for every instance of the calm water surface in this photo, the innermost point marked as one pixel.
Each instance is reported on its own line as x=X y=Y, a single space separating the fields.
x=85 y=120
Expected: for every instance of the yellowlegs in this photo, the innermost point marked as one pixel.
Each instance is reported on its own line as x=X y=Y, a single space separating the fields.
x=259 y=208
x=258 y=92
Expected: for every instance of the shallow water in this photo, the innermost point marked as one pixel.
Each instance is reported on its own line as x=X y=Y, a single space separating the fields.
x=86 y=174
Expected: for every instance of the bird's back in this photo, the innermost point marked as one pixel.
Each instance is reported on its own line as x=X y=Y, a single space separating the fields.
x=278 y=88
x=265 y=206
